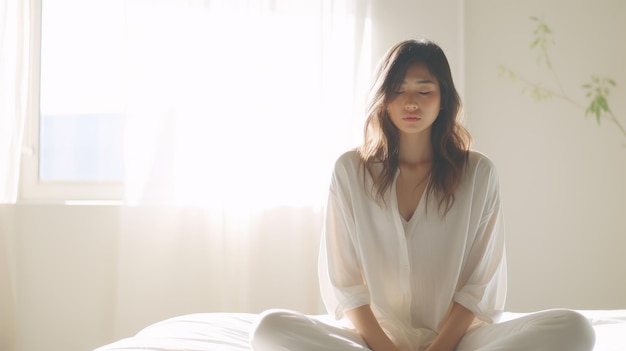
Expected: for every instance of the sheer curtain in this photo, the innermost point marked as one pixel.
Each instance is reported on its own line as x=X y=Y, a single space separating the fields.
x=15 y=19
x=236 y=111
x=237 y=101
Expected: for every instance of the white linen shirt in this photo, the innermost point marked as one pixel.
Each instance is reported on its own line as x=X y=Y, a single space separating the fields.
x=411 y=277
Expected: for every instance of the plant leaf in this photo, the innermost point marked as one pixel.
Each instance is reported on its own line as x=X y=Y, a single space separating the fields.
x=604 y=105
x=534 y=43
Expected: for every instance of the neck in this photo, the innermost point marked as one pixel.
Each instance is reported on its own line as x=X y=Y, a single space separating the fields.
x=415 y=149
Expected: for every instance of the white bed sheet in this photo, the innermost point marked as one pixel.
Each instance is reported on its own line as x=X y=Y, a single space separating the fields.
x=229 y=332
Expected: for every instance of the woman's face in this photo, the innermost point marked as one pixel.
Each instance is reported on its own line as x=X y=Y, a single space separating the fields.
x=415 y=105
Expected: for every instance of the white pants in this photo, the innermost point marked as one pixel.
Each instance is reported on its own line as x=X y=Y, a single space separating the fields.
x=552 y=330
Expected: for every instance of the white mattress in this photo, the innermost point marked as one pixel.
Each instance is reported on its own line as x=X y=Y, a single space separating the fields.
x=229 y=332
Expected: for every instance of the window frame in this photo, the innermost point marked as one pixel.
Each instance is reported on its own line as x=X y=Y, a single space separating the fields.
x=32 y=188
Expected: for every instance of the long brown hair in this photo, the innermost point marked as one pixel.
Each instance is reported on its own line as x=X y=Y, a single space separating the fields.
x=450 y=140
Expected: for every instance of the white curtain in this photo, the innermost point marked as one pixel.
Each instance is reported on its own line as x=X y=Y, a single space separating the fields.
x=240 y=101
x=15 y=21
x=236 y=111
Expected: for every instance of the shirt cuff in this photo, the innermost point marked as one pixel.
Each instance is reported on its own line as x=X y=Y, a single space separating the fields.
x=352 y=298
x=489 y=315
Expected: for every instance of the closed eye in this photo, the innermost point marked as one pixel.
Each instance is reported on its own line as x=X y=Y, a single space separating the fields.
x=398 y=92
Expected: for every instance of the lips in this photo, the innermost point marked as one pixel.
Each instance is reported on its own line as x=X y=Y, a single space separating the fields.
x=411 y=118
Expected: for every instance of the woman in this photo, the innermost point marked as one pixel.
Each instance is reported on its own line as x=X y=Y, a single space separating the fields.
x=412 y=254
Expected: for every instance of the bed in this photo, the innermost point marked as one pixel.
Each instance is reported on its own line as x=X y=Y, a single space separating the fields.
x=229 y=332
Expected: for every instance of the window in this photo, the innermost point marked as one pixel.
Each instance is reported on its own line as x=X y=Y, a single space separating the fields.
x=158 y=101
x=76 y=135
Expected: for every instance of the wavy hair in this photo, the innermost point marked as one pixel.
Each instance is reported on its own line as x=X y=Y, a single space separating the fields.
x=450 y=140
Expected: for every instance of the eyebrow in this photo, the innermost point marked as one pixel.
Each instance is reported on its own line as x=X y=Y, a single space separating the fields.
x=420 y=81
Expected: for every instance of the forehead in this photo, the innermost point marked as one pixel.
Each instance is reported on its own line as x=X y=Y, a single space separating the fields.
x=418 y=73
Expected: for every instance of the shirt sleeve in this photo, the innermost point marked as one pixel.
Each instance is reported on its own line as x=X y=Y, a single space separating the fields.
x=341 y=281
x=484 y=290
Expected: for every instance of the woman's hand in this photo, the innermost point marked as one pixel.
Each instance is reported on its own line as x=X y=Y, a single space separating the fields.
x=366 y=324
x=453 y=329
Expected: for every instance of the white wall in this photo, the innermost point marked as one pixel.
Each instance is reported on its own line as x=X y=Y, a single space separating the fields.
x=7 y=274
x=79 y=285
x=562 y=181
x=64 y=270
x=440 y=21
x=563 y=176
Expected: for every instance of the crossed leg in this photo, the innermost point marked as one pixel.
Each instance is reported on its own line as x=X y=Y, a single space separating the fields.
x=552 y=330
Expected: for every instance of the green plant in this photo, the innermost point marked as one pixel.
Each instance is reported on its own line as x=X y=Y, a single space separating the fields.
x=597 y=89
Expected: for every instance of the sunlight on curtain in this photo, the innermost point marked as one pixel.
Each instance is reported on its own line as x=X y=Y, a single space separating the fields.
x=14 y=57
x=15 y=22
x=241 y=102
x=236 y=112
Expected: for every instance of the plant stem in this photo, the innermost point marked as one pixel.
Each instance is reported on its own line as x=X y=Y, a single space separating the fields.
x=562 y=96
x=616 y=121
x=558 y=81
x=549 y=91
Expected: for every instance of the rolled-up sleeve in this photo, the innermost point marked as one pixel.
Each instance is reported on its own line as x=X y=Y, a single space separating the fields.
x=485 y=273
x=340 y=276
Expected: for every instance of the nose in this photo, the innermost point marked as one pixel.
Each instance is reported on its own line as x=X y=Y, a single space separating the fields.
x=411 y=105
